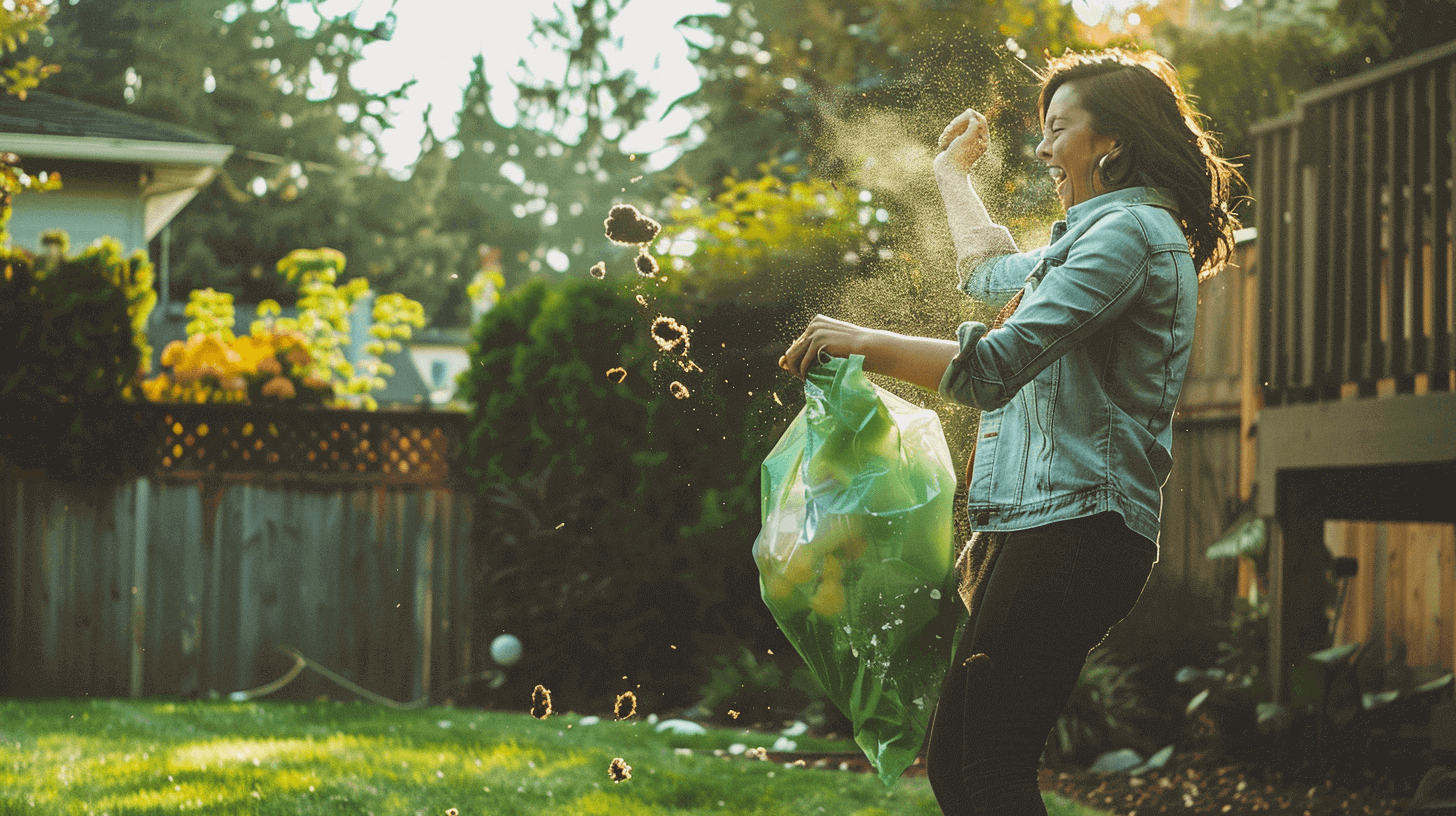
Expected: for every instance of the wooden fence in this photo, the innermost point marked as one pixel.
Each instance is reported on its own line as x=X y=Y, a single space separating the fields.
x=340 y=534
x=1404 y=596
x=1355 y=206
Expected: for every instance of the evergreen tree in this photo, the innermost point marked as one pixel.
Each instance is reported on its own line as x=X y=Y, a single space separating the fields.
x=482 y=202
x=780 y=78
x=566 y=149
x=307 y=166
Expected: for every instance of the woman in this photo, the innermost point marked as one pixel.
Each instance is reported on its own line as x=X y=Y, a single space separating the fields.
x=1077 y=390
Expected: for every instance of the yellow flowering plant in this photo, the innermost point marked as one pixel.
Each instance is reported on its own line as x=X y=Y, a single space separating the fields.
x=286 y=359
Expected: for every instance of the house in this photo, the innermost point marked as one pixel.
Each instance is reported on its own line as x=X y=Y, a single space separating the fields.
x=1349 y=398
x=440 y=356
x=122 y=175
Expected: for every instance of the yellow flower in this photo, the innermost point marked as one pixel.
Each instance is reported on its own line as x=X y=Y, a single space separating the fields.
x=172 y=354
x=280 y=387
x=155 y=388
x=251 y=351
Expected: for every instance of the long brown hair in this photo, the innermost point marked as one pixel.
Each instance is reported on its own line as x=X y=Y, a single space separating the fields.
x=1135 y=97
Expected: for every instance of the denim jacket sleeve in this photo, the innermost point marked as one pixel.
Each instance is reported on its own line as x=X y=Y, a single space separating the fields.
x=1101 y=274
x=994 y=280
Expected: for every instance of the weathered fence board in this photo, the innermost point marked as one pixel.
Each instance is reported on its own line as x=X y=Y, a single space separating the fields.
x=1404 y=595
x=337 y=533
x=1197 y=505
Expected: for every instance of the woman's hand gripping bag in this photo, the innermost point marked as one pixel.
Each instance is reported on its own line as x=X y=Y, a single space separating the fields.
x=856 y=552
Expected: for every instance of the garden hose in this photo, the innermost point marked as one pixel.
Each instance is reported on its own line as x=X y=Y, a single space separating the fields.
x=301 y=661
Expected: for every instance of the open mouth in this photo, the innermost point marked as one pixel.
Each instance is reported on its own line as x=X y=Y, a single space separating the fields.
x=1059 y=177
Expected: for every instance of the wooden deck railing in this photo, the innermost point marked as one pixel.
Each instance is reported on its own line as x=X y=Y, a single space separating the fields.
x=1354 y=191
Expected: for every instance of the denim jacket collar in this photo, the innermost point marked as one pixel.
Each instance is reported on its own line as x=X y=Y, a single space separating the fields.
x=1097 y=205
x=1082 y=216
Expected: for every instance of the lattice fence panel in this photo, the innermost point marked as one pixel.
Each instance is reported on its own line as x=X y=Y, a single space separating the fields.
x=402 y=446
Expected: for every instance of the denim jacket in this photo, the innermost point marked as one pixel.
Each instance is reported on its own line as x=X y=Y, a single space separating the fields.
x=1077 y=388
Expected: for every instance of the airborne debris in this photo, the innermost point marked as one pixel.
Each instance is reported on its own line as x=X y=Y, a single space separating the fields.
x=646 y=264
x=689 y=366
x=669 y=334
x=617 y=375
x=626 y=700
x=540 y=702
x=679 y=390
x=641 y=301
x=760 y=753
x=599 y=270
x=619 y=770
x=776 y=399
x=626 y=225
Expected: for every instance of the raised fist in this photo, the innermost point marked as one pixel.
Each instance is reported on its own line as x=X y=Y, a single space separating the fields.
x=963 y=141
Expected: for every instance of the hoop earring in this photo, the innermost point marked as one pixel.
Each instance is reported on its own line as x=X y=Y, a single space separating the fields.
x=1107 y=180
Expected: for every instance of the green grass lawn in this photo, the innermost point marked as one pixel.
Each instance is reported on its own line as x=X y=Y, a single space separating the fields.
x=154 y=756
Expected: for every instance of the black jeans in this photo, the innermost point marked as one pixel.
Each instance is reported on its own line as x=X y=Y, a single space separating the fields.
x=1053 y=594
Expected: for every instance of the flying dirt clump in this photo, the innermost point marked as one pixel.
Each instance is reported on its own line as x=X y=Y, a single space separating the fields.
x=626 y=225
x=626 y=706
x=619 y=770
x=646 y=264
x=669 y=334
x=540 y=702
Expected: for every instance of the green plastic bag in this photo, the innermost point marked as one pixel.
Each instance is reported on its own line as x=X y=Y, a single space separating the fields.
x=856 y=553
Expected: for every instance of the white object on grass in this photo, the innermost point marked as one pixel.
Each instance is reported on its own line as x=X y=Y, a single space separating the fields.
x=784 y=744
x=680 y=727
x=506 y=649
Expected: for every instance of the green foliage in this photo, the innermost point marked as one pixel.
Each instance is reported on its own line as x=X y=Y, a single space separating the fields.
x=620 y=465
x=14 y=181
x=18 y=20
x=1108 y=709
x=768 y=239
x=211 y=312
x=73 y=328
x=743 y=687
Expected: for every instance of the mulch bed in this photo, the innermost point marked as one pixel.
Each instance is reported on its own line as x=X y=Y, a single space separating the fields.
x=1190 y=783
x=1202 y=783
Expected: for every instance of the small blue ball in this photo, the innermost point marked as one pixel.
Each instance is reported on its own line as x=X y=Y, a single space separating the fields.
x=506 y=649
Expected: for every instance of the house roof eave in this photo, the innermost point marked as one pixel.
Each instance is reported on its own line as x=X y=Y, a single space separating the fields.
x=94 y=148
